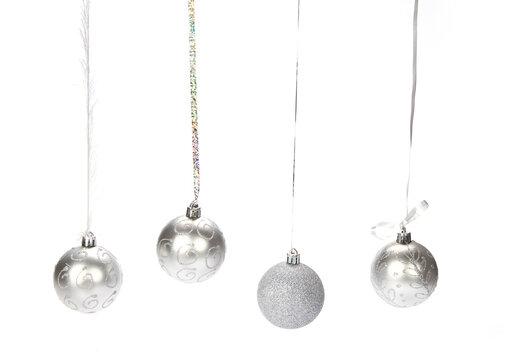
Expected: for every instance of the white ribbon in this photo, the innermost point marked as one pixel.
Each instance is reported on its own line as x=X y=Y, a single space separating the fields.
x=389 y=230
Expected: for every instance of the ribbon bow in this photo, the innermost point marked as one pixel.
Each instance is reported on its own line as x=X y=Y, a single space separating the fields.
x=389 y=230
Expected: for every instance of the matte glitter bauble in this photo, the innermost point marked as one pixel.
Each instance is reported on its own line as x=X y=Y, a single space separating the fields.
x=291 y=295
x=191 y=249
x=87 y=279
x=404 y=274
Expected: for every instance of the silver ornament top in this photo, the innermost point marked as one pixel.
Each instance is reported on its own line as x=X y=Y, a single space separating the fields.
x=88 y=240
x=403 y=237
x=293 y=257
x=193 y=211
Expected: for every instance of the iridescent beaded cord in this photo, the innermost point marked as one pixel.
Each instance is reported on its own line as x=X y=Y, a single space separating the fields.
x=194 y=113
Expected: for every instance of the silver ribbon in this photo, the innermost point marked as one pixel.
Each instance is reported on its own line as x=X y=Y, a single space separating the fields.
x=389 y=230
x=413 y=97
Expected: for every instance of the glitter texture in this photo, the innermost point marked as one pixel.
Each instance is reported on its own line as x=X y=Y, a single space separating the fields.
x=290 y=296
x=193 y=87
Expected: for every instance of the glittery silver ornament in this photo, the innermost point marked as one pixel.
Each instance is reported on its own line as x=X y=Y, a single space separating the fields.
x=404 y=273
x=290 y=294
x=87 y=278
x=191 y=248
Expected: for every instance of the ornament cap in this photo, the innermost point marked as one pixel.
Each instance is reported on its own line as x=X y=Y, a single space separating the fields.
x=293 y=257
x=88 y=240
x=193 y=210
x=403 y=237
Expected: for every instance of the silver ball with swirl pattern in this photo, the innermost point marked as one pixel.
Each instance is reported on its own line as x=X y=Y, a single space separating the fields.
x=87 y=278
x=191 y=248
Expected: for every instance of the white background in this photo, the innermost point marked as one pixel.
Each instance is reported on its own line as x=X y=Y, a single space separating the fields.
x=355 y=87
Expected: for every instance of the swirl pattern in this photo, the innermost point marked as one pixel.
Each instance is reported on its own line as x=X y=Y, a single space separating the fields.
x=206 y=229
x=79 y=255
x=91 y=302
x=206 y=276
x=63 y=277
x=85 y=279
x=164 y=246
x=186 y=274
x=111 y=279
x=67 y=301
x=187 y=255
x=213 y=258
x=104 y=256
x=110 y=299
x=184 y=226
x=191 y=250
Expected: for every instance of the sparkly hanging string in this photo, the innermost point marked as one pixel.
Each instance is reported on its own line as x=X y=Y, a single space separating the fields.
x=413 y=97
x=193 y=85
x=85 y=36
x=295 y=120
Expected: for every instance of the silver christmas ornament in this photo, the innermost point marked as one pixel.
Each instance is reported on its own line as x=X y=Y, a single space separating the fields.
x=290 y=294
x=404 y=273
x=191 y=248
x=87 y=278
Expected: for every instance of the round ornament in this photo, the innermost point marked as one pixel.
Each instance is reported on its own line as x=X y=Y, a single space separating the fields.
x=87 y=278
x=404 y=273
x=191 y=248
x=290 y=295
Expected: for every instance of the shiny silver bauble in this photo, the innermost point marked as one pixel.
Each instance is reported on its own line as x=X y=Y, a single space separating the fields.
x=87 y=279
x=290 y=296
x=404 y=274
x=191 y=249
